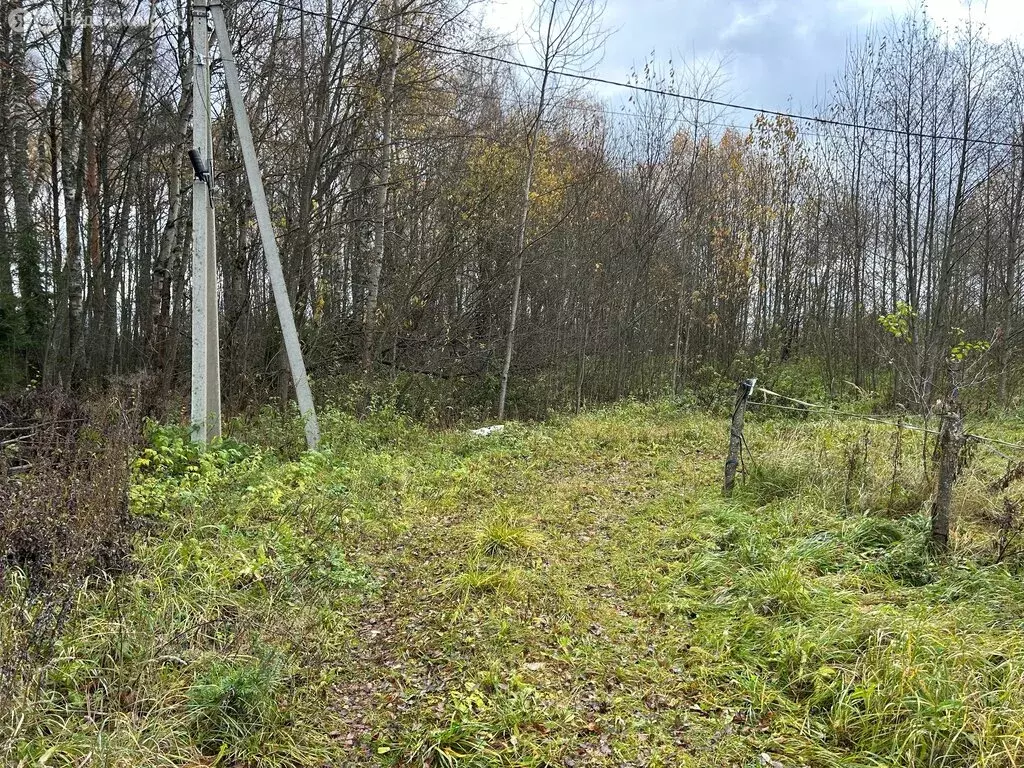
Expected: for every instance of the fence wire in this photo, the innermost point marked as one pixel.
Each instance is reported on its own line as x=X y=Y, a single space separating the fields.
x=804 y=406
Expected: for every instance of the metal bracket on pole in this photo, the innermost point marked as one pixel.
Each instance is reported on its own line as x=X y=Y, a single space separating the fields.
x=259 y=200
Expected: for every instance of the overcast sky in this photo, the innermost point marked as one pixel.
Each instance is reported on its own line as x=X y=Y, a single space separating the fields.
x=781 y=53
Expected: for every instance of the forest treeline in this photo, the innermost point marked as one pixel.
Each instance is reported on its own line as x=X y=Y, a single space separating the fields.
x=450 y=219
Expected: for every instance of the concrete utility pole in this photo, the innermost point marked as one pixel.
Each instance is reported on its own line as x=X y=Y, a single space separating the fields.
x=259 y=201
x=213 y=417
x=201 y=217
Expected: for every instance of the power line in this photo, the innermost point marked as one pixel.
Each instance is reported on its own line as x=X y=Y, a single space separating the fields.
x=597 y=80
x=570 y=106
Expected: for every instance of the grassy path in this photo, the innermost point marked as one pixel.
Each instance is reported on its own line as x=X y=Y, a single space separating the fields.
x=529 y=630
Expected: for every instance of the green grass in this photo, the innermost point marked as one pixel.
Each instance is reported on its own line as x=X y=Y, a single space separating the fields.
x=573 y=593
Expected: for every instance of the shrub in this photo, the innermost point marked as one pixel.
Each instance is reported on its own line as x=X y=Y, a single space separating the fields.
x=711 y=390
x=63 y=518
x=170 y=452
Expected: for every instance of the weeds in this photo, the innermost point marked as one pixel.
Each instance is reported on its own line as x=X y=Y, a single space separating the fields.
x=64 y=523
x=1009 y=525
x=576 y=593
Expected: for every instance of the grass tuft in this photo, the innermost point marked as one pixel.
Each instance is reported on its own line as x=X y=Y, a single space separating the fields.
x=505 y=534
x=781 y=591
x=875 y=534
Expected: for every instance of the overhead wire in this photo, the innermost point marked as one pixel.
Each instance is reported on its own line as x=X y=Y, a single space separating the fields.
x=637 y=87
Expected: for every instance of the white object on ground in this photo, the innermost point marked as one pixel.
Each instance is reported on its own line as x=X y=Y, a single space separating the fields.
x=485 y=431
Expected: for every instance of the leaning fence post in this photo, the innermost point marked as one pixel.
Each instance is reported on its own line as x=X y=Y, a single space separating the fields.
x=746 y=388
x=951 y=441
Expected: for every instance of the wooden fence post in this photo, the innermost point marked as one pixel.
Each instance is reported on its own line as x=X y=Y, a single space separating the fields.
x=951 y=442
x=743 y=392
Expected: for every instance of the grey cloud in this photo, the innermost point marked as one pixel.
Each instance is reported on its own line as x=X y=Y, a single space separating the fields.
x=783 y=53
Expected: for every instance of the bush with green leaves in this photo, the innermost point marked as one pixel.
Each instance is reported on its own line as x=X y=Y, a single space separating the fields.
x=169 y=451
